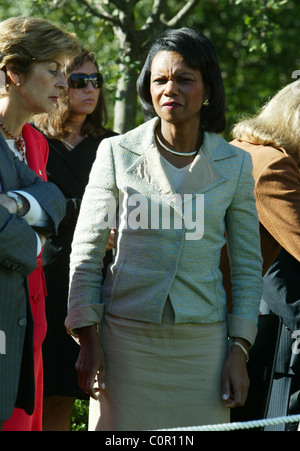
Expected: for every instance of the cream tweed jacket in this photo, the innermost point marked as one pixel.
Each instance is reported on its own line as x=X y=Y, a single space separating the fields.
x=158 y=253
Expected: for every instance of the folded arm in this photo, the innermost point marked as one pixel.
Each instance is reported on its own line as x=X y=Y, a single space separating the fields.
x=18 y=240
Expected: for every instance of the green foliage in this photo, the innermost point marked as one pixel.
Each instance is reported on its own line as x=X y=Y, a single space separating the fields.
x=256 y=41
x=79 y=420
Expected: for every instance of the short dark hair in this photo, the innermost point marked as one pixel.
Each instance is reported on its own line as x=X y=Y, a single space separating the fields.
x=198 y=53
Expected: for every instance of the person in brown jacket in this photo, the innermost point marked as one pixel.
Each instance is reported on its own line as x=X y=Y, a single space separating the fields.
x=272 y=138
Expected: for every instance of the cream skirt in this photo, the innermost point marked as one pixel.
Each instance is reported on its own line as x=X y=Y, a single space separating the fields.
x=160 y=376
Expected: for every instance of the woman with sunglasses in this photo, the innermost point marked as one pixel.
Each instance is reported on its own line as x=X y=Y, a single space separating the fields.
x=74 y=132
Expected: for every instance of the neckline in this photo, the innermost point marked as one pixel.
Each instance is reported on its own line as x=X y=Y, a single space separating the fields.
x=69 y=150
x=174 y=152
x=193 y=153
x=183 y=169
x=70 y=147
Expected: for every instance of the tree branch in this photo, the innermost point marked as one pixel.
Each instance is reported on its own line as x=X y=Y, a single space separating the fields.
x=100 y=12
x=118 y=3
x=180 y=15
x=146 y=30
x=56 y=4
x=155 y=14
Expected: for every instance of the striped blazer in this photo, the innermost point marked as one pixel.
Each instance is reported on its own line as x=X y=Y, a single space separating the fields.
x=18 y=247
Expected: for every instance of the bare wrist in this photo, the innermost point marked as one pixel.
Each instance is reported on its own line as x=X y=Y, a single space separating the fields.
x=87 y=334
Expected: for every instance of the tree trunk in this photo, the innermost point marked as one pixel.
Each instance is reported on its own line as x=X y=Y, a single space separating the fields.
x=126 y=100
x=131 y=41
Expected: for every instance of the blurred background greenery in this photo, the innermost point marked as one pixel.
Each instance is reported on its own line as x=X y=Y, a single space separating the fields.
x=80 y=415
x=256 y=42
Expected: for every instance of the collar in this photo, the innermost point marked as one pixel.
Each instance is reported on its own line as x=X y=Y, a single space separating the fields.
x=204 y=174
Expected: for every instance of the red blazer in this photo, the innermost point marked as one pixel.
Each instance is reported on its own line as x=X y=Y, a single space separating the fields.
x=37 y=151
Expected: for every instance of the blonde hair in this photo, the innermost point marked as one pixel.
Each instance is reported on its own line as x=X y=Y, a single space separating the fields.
x=28 y=40
x=277 y=124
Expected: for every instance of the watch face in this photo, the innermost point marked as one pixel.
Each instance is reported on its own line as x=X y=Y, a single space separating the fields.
x=19 y=206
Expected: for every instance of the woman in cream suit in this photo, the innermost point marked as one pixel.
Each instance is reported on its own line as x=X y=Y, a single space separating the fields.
x=171 y=188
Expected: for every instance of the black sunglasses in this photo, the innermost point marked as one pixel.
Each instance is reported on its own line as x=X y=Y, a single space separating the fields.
x=79 y=81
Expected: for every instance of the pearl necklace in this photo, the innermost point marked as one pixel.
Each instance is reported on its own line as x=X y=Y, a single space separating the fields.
x=180 y=154
x=18 y=141
x=68 y=144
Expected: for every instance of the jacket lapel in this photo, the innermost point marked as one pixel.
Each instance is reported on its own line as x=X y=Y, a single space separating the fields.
x=151 y=171
x=7 y=167
x=204 y=174
x=148 y=166
x=34 y=150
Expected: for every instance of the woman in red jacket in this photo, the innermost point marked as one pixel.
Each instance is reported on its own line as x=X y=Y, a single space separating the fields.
x=37 y=156
x=33 y=79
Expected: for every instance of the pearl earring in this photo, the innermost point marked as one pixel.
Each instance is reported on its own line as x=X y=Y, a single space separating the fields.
x=18 y=84
x=206 y=102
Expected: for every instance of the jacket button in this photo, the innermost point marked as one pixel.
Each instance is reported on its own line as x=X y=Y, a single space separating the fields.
x=36 y=297
x=22 y=322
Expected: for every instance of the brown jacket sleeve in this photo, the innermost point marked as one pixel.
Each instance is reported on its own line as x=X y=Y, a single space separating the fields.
x=277 y=193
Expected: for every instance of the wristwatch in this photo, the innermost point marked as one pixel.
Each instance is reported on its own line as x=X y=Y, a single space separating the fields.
x=18 y=200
